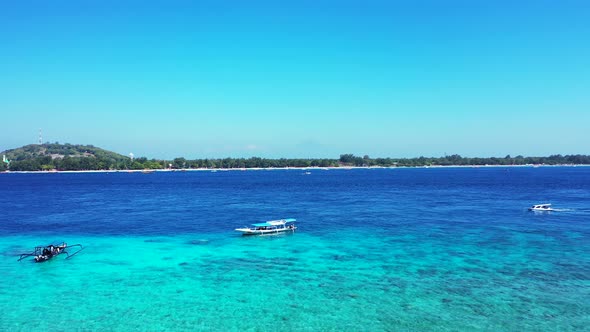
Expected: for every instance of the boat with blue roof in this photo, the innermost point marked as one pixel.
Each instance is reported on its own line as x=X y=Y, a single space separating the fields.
x=270 y=227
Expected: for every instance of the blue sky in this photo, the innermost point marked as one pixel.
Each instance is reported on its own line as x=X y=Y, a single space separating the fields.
x=298 y=78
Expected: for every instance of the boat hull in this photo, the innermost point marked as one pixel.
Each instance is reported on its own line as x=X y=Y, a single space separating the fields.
x=249 y=231
x=541 y=210
x=41 y=259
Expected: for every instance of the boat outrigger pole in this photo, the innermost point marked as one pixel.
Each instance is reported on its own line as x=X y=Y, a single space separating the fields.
x=77 y=251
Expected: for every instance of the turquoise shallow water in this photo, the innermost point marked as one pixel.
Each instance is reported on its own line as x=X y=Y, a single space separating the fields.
x=361 y=261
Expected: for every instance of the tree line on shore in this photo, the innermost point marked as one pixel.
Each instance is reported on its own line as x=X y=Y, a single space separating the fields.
x=108 y=162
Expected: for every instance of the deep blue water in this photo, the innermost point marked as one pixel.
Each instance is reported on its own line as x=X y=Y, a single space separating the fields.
x=376 y=249
x=390 y=200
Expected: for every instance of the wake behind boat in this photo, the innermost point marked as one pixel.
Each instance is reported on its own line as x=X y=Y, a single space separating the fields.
x=269 y=227
x=541 y=207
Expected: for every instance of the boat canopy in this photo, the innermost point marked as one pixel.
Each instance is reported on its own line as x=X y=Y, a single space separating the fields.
x=262 y=224
x=274 y=222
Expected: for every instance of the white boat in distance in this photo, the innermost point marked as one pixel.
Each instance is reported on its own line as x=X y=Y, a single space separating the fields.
x=541 y=207
x=269 y=227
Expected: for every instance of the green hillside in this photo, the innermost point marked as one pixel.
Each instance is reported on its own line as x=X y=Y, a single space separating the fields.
x=35 y=157
x=56 y=150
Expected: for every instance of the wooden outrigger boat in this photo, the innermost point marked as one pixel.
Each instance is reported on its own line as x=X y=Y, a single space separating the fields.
x=45 y=253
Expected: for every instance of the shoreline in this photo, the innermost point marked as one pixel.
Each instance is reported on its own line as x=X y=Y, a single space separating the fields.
x=149 y=171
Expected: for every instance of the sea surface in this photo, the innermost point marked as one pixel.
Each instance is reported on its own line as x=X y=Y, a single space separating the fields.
x=429 y=249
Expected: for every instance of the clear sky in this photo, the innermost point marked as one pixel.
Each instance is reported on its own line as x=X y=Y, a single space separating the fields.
x=301 y=78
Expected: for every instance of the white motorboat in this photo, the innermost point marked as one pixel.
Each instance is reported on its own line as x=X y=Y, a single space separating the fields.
x=541 y=207
x=269 y=227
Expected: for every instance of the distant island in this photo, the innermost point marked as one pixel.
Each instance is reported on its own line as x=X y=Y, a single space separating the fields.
x=74 y=157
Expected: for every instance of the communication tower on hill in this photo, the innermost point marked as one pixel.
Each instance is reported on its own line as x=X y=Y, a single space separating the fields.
x=40 y=137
